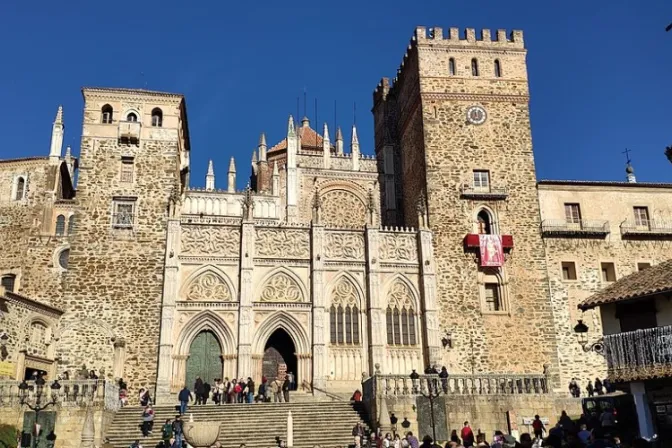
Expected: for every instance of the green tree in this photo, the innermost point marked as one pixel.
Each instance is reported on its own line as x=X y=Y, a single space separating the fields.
x=8 y=434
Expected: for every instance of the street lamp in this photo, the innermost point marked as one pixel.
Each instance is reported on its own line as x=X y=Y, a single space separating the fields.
x=581 y=331
x=433 y=392
x=37 y=404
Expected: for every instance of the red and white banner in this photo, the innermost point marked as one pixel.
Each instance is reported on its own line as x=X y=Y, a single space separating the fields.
x=492 y=253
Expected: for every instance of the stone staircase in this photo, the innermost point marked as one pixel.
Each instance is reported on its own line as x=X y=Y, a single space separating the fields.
x=259 y=425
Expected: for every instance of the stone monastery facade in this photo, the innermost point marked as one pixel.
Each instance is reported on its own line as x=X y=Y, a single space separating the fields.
x=331 y=264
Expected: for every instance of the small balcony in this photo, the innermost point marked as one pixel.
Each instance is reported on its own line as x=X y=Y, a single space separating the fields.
x=129 y=131
x=483 y=193
x=576 y=229
x=646 y=229
x=639 y=355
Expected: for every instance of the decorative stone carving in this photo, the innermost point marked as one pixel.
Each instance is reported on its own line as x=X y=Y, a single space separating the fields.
x=208 y=286
x=341 y=208
x=344 y=245
x=282 y=243
x=281 y=288
x=344 y=293
x=396 y=247
x=400 y=295
x=224 y=241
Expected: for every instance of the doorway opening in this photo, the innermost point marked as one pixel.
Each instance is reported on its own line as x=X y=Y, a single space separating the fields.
x=279 y=357
x=205 y=359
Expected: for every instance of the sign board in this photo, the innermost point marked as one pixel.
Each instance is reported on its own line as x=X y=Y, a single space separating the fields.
x=7 y=369
x=528 y=420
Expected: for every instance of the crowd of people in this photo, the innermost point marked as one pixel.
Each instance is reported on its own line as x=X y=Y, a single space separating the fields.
x=598 y=387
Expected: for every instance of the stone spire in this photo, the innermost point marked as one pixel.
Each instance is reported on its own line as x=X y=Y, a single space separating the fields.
x=291 y=182
x=275 y=186
x=231 y=178
x=57 y=136
x=262 y=147
x=326 y=147
x=210 y=177
x=339 y=141
x=630 y=173
x=354 y=149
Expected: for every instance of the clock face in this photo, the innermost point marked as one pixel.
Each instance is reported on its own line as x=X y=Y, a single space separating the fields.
x=476 y=115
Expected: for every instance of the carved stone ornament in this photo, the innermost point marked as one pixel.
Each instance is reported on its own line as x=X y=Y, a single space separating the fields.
x=341 y=208
x=398 y=248
x=281 y=288
x=400 y=296
x=349 y=246
x=224 y=241
x=208 y=286
x=344 y=293
x=282 y=243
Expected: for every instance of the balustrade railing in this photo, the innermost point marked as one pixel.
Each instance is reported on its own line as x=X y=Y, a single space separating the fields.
x=639 y=354
x=72 y=393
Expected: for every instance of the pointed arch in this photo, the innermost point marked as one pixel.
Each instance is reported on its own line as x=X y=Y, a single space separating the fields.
x=288 y=323
x=206 y=321
x=208 y=283
x=480 y=213
x=410 y=287
x=347 y=277
x=281 y=285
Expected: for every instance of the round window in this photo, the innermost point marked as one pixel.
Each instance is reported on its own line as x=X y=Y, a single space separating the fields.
x=63 y=258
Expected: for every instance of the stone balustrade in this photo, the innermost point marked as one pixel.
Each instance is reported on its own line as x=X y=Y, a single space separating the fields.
x=99 y=393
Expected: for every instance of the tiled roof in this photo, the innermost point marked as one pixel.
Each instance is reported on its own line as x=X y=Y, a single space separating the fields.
x=654 y=280
x=606 y=183
x=24 y=159
x=310 y=139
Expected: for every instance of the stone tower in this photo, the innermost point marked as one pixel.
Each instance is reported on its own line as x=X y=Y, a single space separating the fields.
x=134 y=166
x=452 y=133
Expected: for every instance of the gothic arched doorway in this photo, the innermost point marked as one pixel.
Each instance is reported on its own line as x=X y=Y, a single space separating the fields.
x=279 y=356
x=205 y=358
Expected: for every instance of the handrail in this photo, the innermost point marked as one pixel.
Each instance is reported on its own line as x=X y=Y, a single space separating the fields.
x=311 y=387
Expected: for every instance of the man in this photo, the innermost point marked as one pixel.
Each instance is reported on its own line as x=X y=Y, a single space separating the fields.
x=178 y=431
x=467 y=435
x=538 y=427
x=292 y=381
x=206 y=392
x=413 y=441
x=184 y=397
x=285 y=389
x=357 y=434
x=135 y=444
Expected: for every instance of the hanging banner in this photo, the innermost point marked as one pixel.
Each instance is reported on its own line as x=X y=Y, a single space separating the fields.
x=492 y=254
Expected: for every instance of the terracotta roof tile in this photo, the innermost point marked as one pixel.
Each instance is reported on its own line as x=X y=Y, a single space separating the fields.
x=654 y=280
x=310 y=139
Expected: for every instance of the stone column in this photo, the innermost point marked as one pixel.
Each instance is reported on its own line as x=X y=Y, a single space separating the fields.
x=170 y=287
x=245 y=313
x=319 y=304
x=376 y=310
x=431 y=339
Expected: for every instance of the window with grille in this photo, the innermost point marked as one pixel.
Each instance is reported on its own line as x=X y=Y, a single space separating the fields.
x=64 y=258
x=573 y=213
x=126 y=170
x=492 y=297
x=400 y=326
x=60 y=225
x=481 y=180
x=123 y=213
x=344 y=325
x=8 y=282
x=641 y=216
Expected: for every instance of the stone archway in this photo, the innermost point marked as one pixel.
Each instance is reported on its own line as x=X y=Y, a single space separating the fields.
x=279 y=356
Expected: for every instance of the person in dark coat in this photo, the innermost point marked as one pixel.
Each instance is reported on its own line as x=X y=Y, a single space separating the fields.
x=206 y=392
x=198 y=390
x=184 y=397
x=285 y=389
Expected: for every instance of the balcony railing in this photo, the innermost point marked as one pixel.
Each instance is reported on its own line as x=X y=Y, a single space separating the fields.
x=577 y=229
x=129 y=131
x=72 y=393
x=494 y=193
x=639 y=354
x=650 y=228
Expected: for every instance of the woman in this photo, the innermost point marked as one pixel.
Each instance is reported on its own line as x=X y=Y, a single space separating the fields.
x=147 y=421
x=167 y=433
x=454 y=437
x=145 y=398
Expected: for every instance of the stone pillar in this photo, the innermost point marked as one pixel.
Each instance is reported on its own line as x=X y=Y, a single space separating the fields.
x=431 y=338
x=88 y=430
x=376 y=309
x=319 y=307
x=245 y=314
x=170 y=288
x=644 y=418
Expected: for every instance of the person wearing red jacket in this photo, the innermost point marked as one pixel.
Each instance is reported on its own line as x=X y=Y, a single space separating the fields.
x=467 y=436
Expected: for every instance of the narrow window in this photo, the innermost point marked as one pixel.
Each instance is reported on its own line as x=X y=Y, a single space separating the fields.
x=498 y=69
x=451 y=66
x=482 y=180
x=641 y=216
x=643 y=265
x=71 y=224
x=60 y=225
x=123 y=214
x=397 y=327
x=157 y=118
x=573 y=213
x=492 y=299
x=20 y=189
x=355 y=325
x=127 y=166
x=608 y=272
x=339 y=324
x=568 y=270
x=404 y=326
x=106 y=114
x=64 y=258
x=411 y=327
x=484 y=223
x=348 y=325
x=474 y=67
x=131 y=117
x=8 y=282
x=332 y=324
x=390 y=326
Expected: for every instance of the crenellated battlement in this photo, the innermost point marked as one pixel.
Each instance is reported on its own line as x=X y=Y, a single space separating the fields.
x=468 y=37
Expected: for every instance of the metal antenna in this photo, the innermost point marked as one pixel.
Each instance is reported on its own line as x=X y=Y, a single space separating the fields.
x=354 y=113
x=305 y=109
x=316 y=123
x=334 y=117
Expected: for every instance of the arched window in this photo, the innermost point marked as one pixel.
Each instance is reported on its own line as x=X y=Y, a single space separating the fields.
x=400 y=316
x=451 y=66
x=484 y=222
x=63 y=258
x=498 y=69
x=493 y=290
x=106 y=114
x=344 y=314
x=71 y=224
x=157 y=118
x=474 y=67
x=20 y=189
x=60 y=225
x=132 y=117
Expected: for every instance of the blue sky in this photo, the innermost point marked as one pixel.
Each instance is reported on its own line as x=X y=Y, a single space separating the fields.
x=599 y=71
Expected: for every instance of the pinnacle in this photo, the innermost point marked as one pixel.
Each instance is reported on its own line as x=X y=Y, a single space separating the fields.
x=291 y=130
x=68 y=151
x=232 y=166
x=275 y=169
x=211 y=168
x=354 y=140
x=262 y=139
x=59 y=115
x=325 y=132
x=339 y=134
x=254 y=157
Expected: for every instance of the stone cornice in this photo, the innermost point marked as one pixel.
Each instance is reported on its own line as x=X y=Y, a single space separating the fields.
x=32 y=305
x=131 y=94
x=476 y=97
x=196 y=259
x=469 y=50
x=366 y=175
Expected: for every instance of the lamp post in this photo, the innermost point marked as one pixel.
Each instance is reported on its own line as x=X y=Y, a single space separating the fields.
x=581 y=331
x=433 y=392
x=37 y=404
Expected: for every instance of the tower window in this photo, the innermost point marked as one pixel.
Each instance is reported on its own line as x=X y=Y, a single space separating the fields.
x=20 y=189
x=484 y=223
x=64 y=258
x=132 y=117
x=106 y=114
x=123 y=213
x=157 y=118
x=451 y=66
x=568 y=270
x=474 y=67
x=71 y=224
x=8 y=282
x=498 y=69
x=492 y=290
x=60 y=225
x=126 y=174
x=481 y=180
